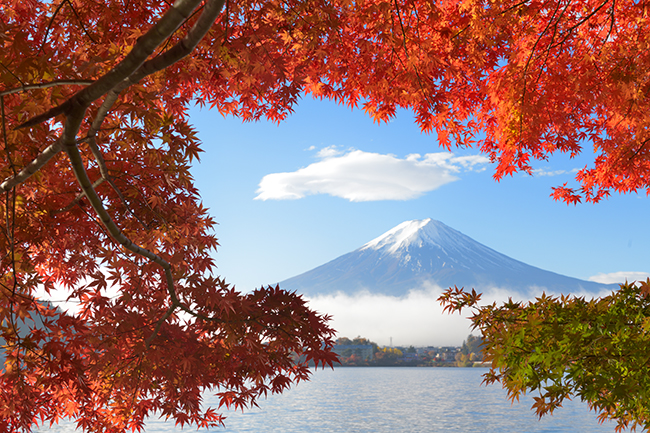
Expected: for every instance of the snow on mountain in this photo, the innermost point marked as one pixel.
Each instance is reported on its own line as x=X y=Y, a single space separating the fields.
x=427 y=252
x=409 y=232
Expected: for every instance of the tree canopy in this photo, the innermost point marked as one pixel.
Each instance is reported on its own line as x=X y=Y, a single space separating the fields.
x=558 y=348
x=97 y=144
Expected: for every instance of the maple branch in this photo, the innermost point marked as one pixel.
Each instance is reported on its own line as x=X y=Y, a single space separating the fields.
x=103 y=169
x=162 y=320
x=145 y=46
x=129 y=71
x=68 y=141
x=10 y=234
x=134 y=60
x=555 y=44
x=77 y=111
x=417 y=72
x=96 y=202
x=12 y=239
x=611 y=23
x=225 y=29
x=182 y=49
x=33 y=166
x=56 y=12
x=80 y=21
x=46 y=85
x=49 y=25
x=82 y=178
x=515 y=6
x=12 y=74
x=611 y=26
x=587 y=18
x=288 y=6
x=532 y=54
x=417 y=29
x=4 y=134
x=640 y=148
x=545 y=61
x=78 y=198
x=108 y=102
x=144 y=202
x=401 y=24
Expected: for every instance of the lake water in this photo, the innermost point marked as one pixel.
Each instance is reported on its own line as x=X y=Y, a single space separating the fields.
x=393 y=399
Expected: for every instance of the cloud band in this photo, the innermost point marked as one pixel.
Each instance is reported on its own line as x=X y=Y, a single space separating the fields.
x=364 y=176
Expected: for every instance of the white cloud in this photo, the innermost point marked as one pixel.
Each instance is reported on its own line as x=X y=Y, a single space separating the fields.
x=364 y=176
x=620 y=277
x=416 y=319
x=328 y=152
x=549 y=173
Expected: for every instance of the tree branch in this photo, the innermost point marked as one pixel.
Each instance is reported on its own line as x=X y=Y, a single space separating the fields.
x=78 y=198
x=532 y=55
x=49 y=26
x=92 y=143
x=129 y=71
x=82 y=178
x=176 y=53
x=96 y=202
x=145 y=46
x=80 y=21
x=33 y=166
x=168 y=58
x=162 y=320
x=46 y=85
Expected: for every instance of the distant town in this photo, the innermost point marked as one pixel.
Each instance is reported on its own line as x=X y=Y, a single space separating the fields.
x=363 y=352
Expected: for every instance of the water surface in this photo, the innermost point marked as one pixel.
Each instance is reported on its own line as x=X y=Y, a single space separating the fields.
x=393 y=399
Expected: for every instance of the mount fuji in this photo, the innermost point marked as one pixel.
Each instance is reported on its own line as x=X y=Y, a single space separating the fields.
x=427 y=252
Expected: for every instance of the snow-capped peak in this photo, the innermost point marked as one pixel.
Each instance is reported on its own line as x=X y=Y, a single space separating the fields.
x=425 y=253
x=415 y=232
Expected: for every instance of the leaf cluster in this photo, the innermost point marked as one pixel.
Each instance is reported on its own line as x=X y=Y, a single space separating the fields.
x=98 y=199
x=569 y=347
x=99 y=210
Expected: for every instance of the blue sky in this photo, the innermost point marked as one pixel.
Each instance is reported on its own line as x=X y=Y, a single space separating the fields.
x=265 y=241
x=327 y=180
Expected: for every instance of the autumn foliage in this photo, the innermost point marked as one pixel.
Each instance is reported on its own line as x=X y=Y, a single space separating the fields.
x=558 y=348
x=98 y=199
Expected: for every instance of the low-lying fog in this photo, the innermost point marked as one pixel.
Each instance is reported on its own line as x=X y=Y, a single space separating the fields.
x=416 y=319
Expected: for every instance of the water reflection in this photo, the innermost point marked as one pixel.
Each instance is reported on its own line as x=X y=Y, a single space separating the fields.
x=376 y=399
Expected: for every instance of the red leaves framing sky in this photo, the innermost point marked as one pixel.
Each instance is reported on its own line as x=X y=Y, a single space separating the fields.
x=97 y=148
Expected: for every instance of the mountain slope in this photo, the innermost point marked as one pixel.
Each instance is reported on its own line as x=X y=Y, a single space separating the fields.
x=429 y=252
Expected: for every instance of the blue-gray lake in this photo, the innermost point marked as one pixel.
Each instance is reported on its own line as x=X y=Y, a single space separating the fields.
x=392 y=399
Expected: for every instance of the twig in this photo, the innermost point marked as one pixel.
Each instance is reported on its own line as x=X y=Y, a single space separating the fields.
x=417 y=72
x=78 y=198
x=12 y=74
x=49 y=25
x=145 y=46
x=46 y=85
x=80 y=21
x=92 y=143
